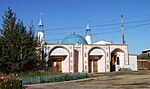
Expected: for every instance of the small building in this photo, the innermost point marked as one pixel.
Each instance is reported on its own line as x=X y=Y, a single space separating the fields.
x=144 y=62
x=78 y=54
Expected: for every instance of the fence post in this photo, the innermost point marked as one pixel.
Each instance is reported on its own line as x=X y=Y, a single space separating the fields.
x=21 y=85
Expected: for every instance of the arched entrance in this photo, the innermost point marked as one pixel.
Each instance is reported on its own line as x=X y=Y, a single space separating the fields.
x=96 y=60
x=59 y=59
x=117 y=59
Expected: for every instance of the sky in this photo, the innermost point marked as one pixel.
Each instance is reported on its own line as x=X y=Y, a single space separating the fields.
x=62 y=17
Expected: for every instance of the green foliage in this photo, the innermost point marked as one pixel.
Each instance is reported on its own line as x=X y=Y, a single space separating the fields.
x=143 y=56
x=11 y=84
x=17 y=45
x=37 y=73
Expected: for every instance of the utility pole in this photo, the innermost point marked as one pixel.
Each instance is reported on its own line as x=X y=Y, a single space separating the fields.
x=122 y=22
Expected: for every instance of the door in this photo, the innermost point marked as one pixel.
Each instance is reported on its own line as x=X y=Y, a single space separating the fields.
x=59 y=66
x=95 y=66
x=89 y=67
x=112 y=64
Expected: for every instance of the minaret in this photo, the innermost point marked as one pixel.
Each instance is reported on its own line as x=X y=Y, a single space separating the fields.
x=41 y=38
x=88 y=34
x=41 y=31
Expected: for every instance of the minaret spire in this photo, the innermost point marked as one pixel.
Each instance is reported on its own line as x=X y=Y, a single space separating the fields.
x=88 y=34
x=88 y=26
x=41 y=23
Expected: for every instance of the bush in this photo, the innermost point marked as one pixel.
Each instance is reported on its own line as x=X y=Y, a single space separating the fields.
x=37 y=73
x=11 y=84
x=143 y=56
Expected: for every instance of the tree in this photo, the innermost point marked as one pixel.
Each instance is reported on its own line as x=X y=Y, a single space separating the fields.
x=18 y=46
x=143 y=56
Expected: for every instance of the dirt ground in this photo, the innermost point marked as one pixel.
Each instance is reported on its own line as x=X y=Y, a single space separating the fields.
x=114 y=80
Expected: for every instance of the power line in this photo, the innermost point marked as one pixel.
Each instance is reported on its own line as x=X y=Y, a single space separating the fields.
x=138 y=21
x=118 y=27
x=101 y=25
x=84 y=30
x=132 y=27
x=109 y=31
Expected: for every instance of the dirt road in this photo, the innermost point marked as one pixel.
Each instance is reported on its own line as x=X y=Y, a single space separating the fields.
x=115 y=80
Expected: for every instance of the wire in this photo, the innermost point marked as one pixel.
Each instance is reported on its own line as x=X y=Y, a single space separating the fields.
x=102 y=25
x=138 y=21
x=138 y=26
x=111 y=31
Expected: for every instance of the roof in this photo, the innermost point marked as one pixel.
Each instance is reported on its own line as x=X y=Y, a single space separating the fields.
x=102 y=42
x=146 y=50
x=74 y=39
x=40 y=23
x=88 y=26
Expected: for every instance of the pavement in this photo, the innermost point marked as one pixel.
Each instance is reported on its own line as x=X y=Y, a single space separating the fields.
x=114 y=80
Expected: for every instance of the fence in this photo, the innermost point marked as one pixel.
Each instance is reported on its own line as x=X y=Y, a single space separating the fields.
x=53 y=78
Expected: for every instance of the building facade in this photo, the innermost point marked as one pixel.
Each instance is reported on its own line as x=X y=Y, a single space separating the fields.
x=78 y=54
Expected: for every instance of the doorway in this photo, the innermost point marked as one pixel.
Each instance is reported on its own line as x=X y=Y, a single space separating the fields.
x=95 y=66
x=117 y=57
x=59 y=65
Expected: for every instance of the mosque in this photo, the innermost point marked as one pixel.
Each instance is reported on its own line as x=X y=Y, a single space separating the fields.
x=78 y=54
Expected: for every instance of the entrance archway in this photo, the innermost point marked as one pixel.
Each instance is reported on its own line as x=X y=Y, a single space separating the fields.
x=59 y=59
x=117 y=59
x=96 y=60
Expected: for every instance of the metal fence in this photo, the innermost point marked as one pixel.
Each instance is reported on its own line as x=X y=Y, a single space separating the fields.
x=52 y=78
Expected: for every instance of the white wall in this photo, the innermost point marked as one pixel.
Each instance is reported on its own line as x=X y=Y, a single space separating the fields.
x=89 y=39
x=133 y=61
x=105 y=49
x=59 y=51
x=78 y=48
x=40 y=36
x=65 y=65
x=121 y=57
x=65 y=62
x=122 y=47
x=80 y=62
x=101 y=64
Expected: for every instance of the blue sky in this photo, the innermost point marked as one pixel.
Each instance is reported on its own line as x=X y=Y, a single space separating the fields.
x=61 y=17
